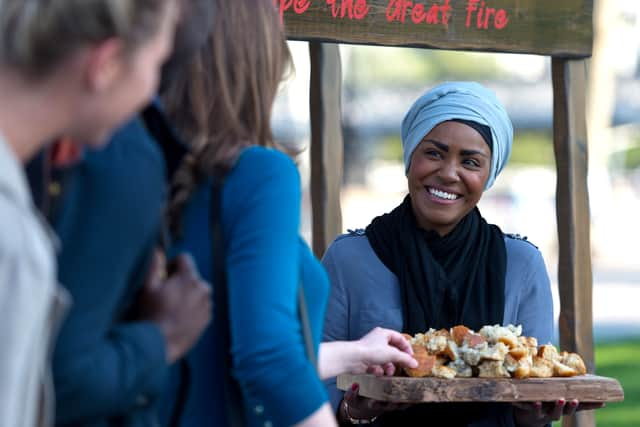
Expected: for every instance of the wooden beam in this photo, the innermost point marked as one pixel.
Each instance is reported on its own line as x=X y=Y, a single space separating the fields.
x=546 y=27
x=326 y=144
x=572 y=210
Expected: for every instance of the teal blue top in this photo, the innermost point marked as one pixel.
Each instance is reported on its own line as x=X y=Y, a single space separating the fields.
x=265 y=261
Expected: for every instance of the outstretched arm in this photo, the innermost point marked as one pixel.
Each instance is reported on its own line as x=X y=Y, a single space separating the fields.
x=377 y=353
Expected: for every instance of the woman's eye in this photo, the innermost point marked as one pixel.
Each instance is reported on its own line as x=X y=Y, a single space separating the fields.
x=471 y=162
x=432 y=153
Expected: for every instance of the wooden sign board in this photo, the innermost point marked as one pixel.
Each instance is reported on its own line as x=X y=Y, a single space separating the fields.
x=561 y=28
x=585 y=388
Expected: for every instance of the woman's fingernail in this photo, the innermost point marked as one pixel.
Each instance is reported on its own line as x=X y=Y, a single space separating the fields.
x=561 y=402
x=538 y=405
x=574 y=403
x=354 y=386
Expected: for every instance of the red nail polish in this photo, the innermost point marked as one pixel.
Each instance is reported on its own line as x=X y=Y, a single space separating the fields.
x=561 y=401
x=574 y=403
x=354 y=386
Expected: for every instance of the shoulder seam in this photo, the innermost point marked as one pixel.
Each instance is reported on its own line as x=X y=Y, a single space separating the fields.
x=516 y=236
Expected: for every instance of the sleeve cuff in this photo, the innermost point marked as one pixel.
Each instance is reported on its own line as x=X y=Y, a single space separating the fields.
x=295 y=401
x=152 y=349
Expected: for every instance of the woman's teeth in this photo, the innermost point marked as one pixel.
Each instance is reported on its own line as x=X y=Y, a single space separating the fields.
x=442 y=194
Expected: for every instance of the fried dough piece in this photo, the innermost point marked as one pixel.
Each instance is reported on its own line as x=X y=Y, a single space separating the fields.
x=522 y=371
x=541 y=368
x=530 y=343
x=441 y=371
x=492 y=369
x=459 y=333
x=426 y=362
x=473 y=340
x=495 y=352
x=519 y=352
x=441 y=333
x=506 y=334
x=420 y=339
x=436 y=344
x=451 y=351
x=462 y=369
x=518 y=368
x=549 y=352
x=561 y=370
x=574 y=361
x=510 y=341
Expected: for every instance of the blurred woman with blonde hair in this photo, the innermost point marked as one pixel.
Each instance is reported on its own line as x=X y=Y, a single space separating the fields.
x=73 y=68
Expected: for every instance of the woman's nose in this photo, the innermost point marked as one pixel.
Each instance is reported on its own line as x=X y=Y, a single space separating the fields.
x=449 y=172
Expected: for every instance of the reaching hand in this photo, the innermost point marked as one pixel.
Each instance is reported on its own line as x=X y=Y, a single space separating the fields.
x=538 y=414
x=383 y=349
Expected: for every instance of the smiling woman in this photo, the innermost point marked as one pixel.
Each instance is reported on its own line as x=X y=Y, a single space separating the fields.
x=434 y=262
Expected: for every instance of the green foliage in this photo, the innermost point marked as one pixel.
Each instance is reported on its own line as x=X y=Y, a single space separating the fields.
x=627 y=160
x=392 y=66
x=632 y=158
x=532 y=149
x=390 y=148
x=452 y=65
x=620 y=360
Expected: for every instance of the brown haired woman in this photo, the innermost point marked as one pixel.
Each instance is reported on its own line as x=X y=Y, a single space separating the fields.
x=223 y=106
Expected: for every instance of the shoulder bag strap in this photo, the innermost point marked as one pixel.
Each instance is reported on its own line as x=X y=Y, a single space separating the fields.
x=233 y=396
x=303 y=314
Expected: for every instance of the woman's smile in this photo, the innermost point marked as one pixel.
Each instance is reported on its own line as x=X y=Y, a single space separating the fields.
x=441 y=196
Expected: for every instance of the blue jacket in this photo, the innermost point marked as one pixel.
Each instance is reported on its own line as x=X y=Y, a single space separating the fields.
x=107 y=371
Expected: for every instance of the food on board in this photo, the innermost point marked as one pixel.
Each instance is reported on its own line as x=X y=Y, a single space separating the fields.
x=493 y=352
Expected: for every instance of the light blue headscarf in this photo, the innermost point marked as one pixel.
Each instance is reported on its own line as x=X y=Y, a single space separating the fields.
x=459 y=100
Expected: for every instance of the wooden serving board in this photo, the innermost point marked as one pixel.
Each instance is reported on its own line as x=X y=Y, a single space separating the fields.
x=585 y=388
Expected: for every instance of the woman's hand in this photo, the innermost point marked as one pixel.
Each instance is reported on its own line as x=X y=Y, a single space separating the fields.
x=180 y=304
x=354 y=406
x=383 y=349
x=377 y=353
x=538 y=414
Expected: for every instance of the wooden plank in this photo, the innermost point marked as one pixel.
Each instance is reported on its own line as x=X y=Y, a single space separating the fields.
x=586 y=388
x=326 y=144
x=546 y=27
x=569 y=79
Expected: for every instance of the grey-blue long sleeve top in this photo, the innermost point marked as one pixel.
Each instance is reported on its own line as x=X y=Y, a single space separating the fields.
x=365 y=293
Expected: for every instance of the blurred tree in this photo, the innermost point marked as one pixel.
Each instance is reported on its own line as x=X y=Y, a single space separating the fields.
x=409 y=67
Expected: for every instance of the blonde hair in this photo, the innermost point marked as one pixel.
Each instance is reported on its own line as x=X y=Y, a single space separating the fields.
x=223 y=100
x=36 y=35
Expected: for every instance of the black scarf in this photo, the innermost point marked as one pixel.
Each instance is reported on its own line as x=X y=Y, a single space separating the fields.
x=444 y=281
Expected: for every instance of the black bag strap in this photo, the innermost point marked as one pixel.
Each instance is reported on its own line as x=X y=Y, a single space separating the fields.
x=183 y=393
x=233 y=396
x=303 y=314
